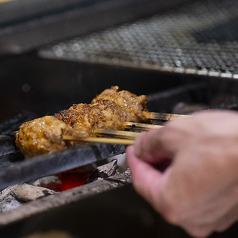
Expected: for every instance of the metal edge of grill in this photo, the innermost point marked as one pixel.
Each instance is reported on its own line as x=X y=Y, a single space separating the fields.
x=198 y=39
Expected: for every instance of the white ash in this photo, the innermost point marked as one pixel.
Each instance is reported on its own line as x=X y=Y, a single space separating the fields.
x=46 y=180
x=7 y=200
x=14 y=196
x=26 y=192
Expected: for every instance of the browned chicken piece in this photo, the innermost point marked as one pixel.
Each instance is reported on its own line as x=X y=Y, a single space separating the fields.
x=132 y=104
x=109 y=110
x=108 y=115
x=85 y=118
x=42 y=135
x=79 y=117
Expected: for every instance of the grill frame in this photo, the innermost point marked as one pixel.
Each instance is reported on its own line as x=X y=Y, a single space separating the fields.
x=35 y=26
x=196 y=39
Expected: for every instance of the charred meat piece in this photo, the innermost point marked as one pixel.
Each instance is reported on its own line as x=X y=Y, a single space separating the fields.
x=109 y=110
x=79 y=117
x=42 y=135
x=132 y=104
x=108 y=115
x=85 y=118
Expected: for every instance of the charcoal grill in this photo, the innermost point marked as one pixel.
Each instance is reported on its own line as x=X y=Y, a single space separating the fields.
x=183 y=59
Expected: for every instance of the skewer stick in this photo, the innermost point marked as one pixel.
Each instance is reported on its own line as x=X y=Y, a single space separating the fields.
x=1 y=1
x=117 y=134
x=99 y=140
x=140 y=126
x=162 y=116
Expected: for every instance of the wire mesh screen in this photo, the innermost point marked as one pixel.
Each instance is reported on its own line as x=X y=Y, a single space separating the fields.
x=199 y=38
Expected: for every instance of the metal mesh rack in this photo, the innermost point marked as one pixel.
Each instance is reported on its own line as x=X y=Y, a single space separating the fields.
x=199 y=38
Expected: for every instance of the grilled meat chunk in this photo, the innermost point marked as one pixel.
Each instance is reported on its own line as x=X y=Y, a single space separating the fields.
x=109 y=110
x=108 y=115
x=79 y=117
x=132 y=104
x=42 y=135
x=85 y=118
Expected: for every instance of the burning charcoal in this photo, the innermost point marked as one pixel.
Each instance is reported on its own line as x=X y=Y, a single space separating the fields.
x=50 y=182
x=60 y=199
x=13 y=197
x=64 y=181
x=77 y=177
x=60 y=161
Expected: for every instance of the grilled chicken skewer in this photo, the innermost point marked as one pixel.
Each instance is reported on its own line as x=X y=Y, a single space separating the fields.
x=125 y=137
x=112 y=109
x=42 y=135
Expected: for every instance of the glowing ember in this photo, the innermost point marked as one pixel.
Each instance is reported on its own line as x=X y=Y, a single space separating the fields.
x=66 y=180
x=71 y=180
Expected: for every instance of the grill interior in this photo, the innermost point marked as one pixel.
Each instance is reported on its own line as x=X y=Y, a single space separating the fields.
x=184 y=60
x=111 y=212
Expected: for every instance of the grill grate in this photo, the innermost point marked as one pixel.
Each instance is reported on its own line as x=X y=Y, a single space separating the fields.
x=199 y=38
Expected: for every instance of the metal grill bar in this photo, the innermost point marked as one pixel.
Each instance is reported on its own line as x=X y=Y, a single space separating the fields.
x=48 y=164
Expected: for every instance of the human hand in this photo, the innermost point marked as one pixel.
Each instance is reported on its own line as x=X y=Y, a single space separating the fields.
x=199 y=190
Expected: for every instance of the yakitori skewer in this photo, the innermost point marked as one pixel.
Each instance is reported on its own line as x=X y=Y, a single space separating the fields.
x=99 y=140
x=140 y=126
x=161 y=116
x=112 y=109
x=116 y=134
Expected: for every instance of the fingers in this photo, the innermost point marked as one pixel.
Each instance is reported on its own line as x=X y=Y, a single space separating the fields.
x=147 y=180
x=158 y=144
x=151 y=147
